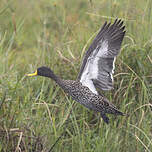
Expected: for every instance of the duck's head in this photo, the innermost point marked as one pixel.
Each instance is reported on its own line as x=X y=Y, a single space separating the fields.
x=42 y=71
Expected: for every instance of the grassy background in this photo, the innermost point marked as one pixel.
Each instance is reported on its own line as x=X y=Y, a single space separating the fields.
x=35 y=113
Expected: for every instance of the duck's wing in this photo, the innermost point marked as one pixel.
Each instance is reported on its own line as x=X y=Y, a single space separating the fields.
x=98 y=62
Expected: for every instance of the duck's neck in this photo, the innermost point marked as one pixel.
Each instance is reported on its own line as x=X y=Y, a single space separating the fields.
x=50 y=74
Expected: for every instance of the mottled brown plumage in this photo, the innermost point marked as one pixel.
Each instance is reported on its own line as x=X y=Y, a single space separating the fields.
x=82 y=94
x=99 y=59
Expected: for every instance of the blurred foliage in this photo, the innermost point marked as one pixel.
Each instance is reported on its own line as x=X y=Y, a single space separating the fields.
x=35 y=113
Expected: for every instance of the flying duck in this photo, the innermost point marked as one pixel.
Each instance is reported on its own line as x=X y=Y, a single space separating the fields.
x=96 y=71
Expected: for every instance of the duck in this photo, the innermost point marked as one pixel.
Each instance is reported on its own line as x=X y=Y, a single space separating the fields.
x=96 y=71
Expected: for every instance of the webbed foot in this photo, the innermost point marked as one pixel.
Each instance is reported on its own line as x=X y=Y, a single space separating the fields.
x=105 y=118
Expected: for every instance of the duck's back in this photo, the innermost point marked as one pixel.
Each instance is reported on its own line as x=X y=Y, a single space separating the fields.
x=84 y=95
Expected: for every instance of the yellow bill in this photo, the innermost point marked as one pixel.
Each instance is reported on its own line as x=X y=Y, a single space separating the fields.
x=32 y=74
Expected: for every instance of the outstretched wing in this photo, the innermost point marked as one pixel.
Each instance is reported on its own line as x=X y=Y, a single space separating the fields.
x=98 y=62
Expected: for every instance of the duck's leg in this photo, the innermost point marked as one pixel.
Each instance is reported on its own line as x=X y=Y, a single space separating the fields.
x=104 y=117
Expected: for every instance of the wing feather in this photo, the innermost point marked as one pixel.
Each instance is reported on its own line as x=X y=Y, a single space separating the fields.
x=98 y=62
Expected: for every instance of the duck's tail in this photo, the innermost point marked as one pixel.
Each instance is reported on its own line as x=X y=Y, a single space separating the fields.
x=117 y=112
x=113 y=110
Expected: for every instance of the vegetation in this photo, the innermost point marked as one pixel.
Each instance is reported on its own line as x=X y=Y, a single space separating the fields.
x=35 y=114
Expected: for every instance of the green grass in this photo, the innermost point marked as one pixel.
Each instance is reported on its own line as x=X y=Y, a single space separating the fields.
x=35 y=113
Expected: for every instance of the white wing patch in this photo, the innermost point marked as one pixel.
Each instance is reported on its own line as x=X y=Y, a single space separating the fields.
x=113 y=69
x=113 y=65
x=91 y=69
x=85 y=78
x=100 y=51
